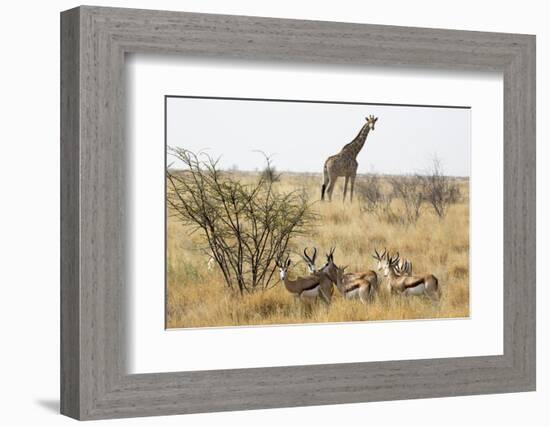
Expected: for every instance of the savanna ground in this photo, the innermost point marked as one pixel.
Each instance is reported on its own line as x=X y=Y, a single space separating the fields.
x=197 y=297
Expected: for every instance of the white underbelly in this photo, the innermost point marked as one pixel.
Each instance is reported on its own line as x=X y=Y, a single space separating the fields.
x=417 y=290
x=353 y=294
x=311 y=293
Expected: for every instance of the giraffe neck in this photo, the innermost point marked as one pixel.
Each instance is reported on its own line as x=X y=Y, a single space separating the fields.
x=356 y=145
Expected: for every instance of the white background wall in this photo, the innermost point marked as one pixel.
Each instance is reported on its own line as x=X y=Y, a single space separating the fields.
x=29 y=224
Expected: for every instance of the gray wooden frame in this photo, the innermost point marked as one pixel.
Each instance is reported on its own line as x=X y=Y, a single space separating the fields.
x=94 y=382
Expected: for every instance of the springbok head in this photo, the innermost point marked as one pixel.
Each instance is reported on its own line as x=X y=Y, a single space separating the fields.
x=310 y=260
x=371 y=120
x=330 y=266
x=380 y=258
x=390 y=263
x=330 y=255
x=330 y=259
x=340 y=271
x=283 y=264
x=403 y=268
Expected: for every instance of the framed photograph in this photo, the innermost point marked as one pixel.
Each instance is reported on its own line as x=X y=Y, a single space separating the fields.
x=241 y=217
x=262 y=213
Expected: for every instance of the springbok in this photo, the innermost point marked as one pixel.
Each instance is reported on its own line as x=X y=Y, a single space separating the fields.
x=362 y=285
x=306 y=288
x=427 y=285
x=380 y=258
x=310 y=261
x=403 y=269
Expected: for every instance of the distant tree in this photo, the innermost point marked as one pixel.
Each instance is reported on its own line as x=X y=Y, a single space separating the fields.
x=375 y=200
x=409 y=191
x=269 y=173
x=439 y=190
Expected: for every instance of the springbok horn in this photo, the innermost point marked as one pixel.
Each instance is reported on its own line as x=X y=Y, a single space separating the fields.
x=306 y=257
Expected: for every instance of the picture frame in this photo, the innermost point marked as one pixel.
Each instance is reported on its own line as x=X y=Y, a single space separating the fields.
x=94 y=268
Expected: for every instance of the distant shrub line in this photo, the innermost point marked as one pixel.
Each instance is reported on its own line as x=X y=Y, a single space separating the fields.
x=414 y=193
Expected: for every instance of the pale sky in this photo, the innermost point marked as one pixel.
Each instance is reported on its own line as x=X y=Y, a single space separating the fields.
x=300 y=136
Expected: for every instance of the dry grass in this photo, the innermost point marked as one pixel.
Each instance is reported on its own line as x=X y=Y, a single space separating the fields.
x=197 y=297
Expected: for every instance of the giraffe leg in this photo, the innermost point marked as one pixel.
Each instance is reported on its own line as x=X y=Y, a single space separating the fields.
x=325 y=182
x=346 y=179
x=352 y=184
x=330 y=188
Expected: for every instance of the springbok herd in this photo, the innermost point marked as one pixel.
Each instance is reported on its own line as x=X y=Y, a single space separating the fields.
x=363 y=285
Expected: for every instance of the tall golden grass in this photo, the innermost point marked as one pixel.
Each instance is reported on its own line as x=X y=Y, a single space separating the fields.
x=197 y=297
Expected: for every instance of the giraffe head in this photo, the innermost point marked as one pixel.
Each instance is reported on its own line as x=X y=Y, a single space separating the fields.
x=371 y=120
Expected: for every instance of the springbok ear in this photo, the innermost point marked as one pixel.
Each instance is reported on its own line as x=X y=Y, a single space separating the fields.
x=288 y=263
x=376 y=119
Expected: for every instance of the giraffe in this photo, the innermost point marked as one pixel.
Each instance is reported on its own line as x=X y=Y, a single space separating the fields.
x=344 y=163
